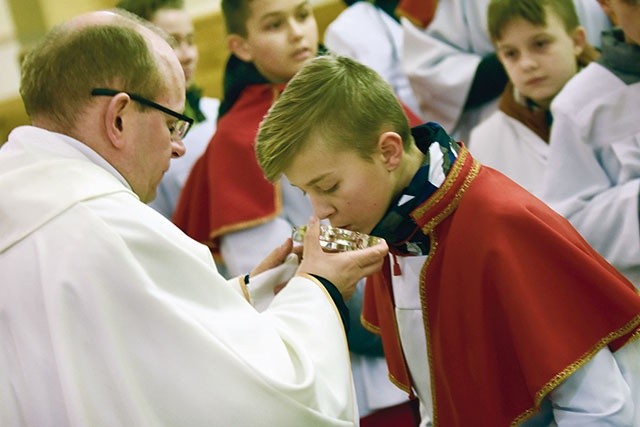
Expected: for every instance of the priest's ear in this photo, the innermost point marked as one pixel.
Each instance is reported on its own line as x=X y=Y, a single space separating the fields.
x=119 y=115
x=240 y=47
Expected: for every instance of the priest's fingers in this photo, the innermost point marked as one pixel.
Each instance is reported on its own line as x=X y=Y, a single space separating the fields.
x=274 y=259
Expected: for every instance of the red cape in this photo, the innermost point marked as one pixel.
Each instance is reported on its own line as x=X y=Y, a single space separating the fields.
x=226 y=190
x=514 y=300
x=419 y=12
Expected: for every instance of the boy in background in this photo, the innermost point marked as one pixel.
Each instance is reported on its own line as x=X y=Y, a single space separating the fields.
x=452 y=65
x=172 y=17
x=496 y=312
x=541 y=45
x=227 y=203
x=593 y=176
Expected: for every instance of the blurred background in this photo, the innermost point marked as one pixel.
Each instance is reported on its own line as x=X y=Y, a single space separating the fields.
x=23 y=22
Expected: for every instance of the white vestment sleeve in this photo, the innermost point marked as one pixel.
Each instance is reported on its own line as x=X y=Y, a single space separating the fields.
x=441 y=60
x=242 y=250
x=593 y=174
x=596 y=395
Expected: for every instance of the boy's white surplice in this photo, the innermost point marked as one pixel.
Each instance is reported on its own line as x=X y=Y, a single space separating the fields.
x=110 y=316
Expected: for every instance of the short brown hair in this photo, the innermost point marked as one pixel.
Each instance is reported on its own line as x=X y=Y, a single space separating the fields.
x=336 y=98
x=147 y=8
x=236 y=13
x=502 y=12
x=59 y=73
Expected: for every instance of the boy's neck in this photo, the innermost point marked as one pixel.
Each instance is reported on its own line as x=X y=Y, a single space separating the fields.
x=413 y=161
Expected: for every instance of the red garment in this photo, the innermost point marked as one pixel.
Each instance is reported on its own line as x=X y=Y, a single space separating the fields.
x=405 y=414
x=419 y=12
x=226 y=189
x=514 y=300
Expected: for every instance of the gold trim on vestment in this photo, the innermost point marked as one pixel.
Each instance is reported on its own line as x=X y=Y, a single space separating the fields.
x=433 y=246
x=573 y=367
x=429 y=229
x=238 y=226
x=245 y=290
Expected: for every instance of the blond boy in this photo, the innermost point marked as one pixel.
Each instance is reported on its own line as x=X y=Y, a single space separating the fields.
x=496 y=312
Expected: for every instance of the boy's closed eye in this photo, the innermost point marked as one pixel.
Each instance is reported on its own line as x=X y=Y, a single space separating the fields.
x=330 y=189
x=326 y=189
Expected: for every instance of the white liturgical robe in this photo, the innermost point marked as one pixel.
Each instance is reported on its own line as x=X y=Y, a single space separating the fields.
x=111 y=316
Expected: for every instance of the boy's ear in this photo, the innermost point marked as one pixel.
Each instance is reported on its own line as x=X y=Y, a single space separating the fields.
x=391 y=149
x=579 y=37
x=239 y=47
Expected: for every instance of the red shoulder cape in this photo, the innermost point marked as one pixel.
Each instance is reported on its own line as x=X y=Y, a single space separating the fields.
x=420 y=12
x=514 y=300
x=226 y=189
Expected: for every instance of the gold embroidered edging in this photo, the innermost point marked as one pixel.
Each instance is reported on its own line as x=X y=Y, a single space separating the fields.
x=376 y=330
x=475 y=168
x=446 y=185
x=399 y=384
x=569 y=370
x=248 y=224
x=369 y=326
x=433 y=247
x=245 y=291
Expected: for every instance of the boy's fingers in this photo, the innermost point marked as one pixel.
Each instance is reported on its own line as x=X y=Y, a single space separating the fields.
x=372 y=255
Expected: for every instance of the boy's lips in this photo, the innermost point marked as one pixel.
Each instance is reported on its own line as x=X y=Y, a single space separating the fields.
x=302 y=54
x=535 y=81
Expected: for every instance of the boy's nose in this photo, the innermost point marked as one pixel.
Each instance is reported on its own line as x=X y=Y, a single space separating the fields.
x=186 y=52
x=527 y=62
x=322 y=209
x=296 y=27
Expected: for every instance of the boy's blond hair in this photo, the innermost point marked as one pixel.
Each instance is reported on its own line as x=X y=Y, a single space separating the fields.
x=339 y=100
x=502 y=12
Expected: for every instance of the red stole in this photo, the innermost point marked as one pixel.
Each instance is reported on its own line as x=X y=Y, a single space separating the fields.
x=514 y=300
x=419 y=12
x=536 y=120
x=226 y=189
x=414 y=120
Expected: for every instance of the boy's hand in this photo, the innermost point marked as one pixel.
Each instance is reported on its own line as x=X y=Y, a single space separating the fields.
x=343 y=269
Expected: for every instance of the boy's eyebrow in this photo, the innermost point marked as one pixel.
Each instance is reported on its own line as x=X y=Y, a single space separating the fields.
x=317 y=179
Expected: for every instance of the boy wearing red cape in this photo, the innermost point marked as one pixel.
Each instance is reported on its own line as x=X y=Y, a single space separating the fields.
x=493 y=310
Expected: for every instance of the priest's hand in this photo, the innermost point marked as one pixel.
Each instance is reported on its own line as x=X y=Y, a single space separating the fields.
x=343 y=269
x=276 y=257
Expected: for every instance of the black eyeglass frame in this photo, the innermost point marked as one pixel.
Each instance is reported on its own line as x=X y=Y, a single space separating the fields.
x=144 y=101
